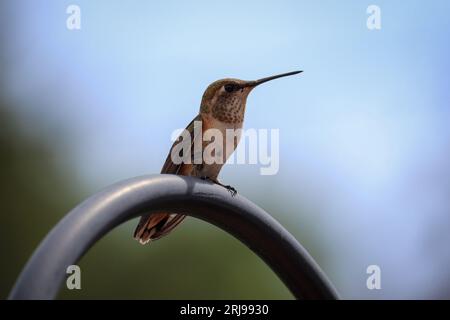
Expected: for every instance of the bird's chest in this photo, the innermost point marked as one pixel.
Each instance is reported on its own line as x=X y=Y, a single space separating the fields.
x=222 y=136
x=219 y=140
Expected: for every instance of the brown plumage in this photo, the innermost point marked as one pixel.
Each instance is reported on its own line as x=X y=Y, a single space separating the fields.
x=222 y=107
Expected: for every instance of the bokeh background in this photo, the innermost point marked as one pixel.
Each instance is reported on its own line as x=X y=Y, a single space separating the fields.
x=365 y=137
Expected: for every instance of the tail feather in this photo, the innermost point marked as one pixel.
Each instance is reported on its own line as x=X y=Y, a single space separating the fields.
x=155 y=226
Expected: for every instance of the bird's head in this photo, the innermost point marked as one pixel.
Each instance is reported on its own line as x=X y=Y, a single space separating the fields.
x=225 y=99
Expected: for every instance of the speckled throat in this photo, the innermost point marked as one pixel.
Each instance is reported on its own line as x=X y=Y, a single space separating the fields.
x=229 y=109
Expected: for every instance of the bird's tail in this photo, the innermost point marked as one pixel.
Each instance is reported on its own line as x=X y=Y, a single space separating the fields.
x=155 y=226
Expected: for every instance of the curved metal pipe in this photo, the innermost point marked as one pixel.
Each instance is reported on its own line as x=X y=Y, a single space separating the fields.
x=82 y=227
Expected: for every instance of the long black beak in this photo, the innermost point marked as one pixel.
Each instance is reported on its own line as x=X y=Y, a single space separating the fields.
x=259 y=81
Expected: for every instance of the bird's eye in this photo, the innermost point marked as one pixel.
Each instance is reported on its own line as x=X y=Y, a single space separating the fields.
x=229 y=88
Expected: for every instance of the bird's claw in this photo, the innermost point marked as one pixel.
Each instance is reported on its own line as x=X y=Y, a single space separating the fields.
x=232 y=190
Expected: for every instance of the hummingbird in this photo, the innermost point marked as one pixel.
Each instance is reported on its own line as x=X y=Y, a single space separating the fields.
x=223 y=108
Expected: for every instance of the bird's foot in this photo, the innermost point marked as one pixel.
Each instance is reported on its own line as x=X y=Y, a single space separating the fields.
x=232 y=190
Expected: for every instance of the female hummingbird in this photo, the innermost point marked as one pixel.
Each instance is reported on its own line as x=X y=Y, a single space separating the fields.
x=223 y=108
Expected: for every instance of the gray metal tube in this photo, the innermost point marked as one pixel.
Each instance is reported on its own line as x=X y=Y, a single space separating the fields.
x=92 y=219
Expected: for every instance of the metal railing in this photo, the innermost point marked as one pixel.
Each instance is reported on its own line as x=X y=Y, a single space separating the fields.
x=82 y=227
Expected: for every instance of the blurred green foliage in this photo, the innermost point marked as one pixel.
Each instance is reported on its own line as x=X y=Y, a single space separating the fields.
x=34 y=192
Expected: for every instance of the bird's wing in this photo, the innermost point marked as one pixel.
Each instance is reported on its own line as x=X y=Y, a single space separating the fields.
x=155 y=226
x=169 y=166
